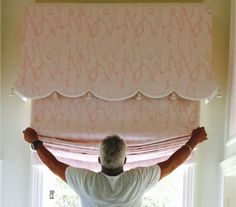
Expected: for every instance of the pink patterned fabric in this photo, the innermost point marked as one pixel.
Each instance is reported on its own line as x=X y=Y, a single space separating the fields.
x=116 y=50
x=73 y=127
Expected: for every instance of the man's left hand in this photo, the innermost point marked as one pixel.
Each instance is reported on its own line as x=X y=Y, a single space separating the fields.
x=30 y=135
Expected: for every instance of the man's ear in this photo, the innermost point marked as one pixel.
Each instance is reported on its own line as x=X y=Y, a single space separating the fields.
x=125 y=160
x=99 y=160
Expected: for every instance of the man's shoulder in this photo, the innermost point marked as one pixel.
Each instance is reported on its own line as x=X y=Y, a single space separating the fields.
x=145 y=168
x=76 y=171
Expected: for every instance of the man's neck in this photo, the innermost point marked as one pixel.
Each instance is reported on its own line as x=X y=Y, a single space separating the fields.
x=112 y=172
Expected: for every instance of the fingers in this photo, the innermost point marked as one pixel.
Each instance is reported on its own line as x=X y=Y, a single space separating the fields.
x=204 y=131
x=200 y=134
x=29 y=129
x=30 y=134
x=26 y=130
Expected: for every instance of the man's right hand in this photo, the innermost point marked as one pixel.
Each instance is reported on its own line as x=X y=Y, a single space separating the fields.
x=198 y=135
x=30 y=135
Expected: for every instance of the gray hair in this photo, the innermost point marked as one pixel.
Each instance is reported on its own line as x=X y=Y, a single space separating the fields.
x=112 y=152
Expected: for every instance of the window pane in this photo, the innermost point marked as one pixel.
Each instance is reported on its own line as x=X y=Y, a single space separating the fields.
x=167 y=193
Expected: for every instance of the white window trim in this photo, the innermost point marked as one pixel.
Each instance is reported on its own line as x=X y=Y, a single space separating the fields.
x=37 y=186
x=0 y=182
x=227 y=168
x=188 y=186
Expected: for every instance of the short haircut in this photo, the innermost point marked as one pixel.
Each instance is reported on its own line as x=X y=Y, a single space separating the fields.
x=112 y=152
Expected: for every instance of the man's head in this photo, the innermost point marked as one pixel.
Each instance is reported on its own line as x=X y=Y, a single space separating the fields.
x=112 y=152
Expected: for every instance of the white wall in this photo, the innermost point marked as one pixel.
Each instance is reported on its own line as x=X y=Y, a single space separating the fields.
x=230 y=148
x=210 y=154
x=0 y=108
x=229 y=182
x=15 y=113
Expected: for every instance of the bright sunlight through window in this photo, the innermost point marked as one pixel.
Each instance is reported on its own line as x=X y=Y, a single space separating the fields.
x=168 y=193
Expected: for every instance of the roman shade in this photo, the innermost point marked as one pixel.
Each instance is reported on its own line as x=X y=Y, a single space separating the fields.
x=152 y=128
x=117 y=50
x=98 y=69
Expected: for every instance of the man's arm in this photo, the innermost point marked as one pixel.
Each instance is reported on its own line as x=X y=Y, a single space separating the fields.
x=57 y=167
x=198 y=135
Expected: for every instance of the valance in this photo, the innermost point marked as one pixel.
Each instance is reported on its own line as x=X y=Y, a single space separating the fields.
x=117 y=50
x=152 y=128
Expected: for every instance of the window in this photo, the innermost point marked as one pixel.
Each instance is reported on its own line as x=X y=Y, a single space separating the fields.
x=173 y=191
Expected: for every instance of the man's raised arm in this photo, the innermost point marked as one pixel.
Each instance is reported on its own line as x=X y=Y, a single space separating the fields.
x=198 y=135
x=57 y=167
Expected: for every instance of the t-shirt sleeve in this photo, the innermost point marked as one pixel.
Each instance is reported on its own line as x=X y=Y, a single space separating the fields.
x=75 y=177
x=148 y=176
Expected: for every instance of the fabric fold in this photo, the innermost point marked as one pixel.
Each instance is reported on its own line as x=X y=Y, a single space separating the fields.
x=152 y=129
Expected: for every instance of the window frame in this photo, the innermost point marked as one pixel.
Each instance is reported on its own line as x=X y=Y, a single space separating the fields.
x=188 y=185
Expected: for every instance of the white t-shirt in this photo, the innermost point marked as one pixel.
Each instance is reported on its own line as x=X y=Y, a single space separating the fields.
x=124 y=190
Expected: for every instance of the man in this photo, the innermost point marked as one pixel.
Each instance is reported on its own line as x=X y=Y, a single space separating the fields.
x=113 y=187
